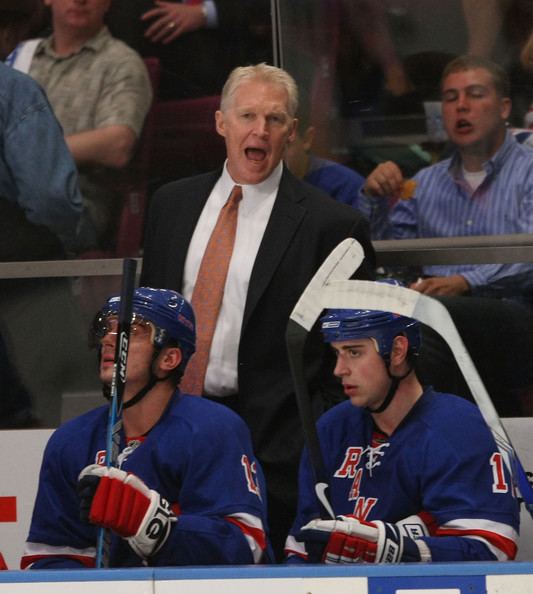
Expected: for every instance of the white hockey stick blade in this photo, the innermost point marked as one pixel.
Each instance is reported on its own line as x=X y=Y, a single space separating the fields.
x=341 y=263
x=354 y=294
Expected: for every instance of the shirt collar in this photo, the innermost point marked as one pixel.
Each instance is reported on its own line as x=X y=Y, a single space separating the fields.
x=493 y=164
x=95 y=44
x=260 y=190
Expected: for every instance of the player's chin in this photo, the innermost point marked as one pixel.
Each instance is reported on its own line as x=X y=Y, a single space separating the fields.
x=355 y=397
x=106 y=374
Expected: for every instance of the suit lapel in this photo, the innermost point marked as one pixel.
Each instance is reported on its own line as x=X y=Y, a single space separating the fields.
x=190 y=209
x=285 y=219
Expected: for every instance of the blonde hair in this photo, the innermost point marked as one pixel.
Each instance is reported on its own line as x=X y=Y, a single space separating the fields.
x=264 y=73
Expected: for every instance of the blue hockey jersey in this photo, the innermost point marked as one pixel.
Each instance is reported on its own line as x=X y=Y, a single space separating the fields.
x=441 y=463
x=198 y=457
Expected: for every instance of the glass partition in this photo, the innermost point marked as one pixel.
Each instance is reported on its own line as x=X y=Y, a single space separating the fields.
x=369 y=70
x=49 y=374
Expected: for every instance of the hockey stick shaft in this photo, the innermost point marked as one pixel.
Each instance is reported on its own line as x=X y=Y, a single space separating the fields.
x=296 y=339
x=342 y=262
x=114 y=424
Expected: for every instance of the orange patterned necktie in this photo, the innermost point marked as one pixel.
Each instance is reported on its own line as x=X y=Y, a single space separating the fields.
x=209 y=290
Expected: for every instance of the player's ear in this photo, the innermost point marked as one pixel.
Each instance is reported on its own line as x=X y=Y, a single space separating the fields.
x=400 y=346
x=169 y=358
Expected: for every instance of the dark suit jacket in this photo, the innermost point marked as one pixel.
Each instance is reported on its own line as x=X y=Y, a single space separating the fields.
x=305 y=225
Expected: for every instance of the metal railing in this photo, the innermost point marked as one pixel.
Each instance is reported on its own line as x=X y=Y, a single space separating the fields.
x=481 y=249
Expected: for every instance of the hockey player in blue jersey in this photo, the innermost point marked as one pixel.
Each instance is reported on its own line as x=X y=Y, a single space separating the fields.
x=414 y=475
x=186 y=463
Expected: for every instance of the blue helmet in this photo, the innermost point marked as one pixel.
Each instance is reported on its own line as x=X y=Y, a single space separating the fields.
x=383 y=326
x=170 y=314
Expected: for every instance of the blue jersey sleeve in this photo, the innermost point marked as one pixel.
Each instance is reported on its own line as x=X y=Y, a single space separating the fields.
x=210 y=475
x=57 y=538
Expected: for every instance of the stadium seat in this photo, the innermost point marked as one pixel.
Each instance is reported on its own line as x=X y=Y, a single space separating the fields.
x=186 y=142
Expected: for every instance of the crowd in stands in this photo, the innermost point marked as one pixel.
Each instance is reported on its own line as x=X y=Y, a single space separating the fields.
x=226 y=255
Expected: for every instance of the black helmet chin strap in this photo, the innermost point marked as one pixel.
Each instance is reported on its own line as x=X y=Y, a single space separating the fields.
x=395 y=382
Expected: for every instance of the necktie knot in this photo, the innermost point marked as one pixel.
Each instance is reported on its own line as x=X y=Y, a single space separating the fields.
x=235 y=197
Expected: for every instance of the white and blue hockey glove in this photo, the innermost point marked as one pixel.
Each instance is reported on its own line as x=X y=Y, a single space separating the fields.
x=121 y=502
x=349 y=540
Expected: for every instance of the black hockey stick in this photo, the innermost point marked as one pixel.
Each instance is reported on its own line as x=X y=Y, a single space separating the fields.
x=343 y=261
x=353 y=294
x=114 y=423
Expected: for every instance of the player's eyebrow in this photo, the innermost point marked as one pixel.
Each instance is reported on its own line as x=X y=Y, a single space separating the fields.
x=348 y=347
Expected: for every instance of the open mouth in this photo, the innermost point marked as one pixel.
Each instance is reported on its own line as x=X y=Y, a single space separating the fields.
x=463 y=126
x=255 y=154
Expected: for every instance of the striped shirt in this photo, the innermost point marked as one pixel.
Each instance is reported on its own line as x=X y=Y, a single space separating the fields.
x=444 y=206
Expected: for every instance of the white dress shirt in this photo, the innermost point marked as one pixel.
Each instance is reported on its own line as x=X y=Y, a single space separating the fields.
x=254 y=212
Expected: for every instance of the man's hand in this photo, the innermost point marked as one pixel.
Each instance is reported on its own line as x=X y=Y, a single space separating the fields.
x=171 y=19
x=442 y=285
x=386 y=180
x=121 y=502
x=349 y=540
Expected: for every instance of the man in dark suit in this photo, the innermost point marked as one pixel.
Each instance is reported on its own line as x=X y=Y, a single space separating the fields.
x=285 y=229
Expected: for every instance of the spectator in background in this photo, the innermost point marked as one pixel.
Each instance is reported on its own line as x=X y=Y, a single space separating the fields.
x=198 y=43
x=100 y=92
x=40 y=202
x=38 y=220
x=489 y=178
x=284 y=231
x=484 y=188
x=340 y=182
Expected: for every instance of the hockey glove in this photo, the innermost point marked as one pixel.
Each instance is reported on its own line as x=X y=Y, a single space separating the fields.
x=121 y=502
x=349 y=540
